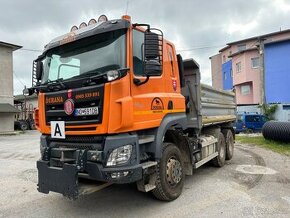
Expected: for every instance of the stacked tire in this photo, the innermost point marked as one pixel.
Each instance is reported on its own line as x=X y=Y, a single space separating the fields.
x=278 y=131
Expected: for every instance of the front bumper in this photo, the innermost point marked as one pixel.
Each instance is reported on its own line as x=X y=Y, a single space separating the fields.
x=65 y=180
x=57 y=175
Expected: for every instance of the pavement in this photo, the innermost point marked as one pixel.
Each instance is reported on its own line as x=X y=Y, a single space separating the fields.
x=255 y=183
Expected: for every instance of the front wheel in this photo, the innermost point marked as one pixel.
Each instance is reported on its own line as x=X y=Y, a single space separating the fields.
x=169 y=174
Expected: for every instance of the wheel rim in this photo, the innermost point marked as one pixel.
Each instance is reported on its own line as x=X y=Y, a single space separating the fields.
x=173 y=171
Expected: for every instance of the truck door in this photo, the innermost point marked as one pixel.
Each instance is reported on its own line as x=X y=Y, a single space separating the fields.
x=149 y=99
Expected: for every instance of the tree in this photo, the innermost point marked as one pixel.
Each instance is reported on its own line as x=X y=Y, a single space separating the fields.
x=269 y=110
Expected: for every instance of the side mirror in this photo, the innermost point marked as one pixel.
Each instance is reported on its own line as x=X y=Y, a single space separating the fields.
x=39 y=70
x=153 y=49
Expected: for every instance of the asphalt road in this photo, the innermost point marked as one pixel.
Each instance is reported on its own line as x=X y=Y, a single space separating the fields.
x=255 y=183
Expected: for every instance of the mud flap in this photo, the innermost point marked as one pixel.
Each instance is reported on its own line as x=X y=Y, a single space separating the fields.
x=61 y=180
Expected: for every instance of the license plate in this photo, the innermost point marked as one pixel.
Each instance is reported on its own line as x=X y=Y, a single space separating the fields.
x=86 y=111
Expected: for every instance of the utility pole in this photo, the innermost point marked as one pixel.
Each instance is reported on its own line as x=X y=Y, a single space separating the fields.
x=24 y=103
x=262 y=72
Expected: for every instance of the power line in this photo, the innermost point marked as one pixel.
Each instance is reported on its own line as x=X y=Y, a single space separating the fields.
x=18 y=79
x=199 y=48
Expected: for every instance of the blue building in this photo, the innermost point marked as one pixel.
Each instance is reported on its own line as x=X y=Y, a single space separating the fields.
x=227 y=75
x=277 y=71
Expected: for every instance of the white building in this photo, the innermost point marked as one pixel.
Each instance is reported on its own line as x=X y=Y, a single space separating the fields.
x=7 y=110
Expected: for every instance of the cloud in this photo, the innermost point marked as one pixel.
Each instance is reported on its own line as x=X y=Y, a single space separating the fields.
x=198 y=26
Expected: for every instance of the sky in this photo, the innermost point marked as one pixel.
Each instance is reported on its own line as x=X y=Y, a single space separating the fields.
x=198 y=28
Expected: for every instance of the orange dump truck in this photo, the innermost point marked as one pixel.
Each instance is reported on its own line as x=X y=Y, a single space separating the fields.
x=118 y=105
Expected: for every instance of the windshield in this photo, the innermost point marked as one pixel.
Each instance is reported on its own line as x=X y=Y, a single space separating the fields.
x=93 y=56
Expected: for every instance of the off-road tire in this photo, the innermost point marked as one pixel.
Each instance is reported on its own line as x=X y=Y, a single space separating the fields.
x=23 y=125
x=165 y=191
x=229 y=138
x=219 y=161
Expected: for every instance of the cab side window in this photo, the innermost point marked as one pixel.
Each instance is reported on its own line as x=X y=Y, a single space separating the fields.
x=138 y=40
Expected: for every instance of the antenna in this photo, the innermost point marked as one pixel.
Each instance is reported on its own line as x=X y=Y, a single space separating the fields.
x=127 y=5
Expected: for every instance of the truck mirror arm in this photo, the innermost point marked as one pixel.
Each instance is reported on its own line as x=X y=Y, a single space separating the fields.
x=138 y=82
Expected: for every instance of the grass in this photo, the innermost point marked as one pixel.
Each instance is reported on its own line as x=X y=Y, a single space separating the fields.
x=279 y=147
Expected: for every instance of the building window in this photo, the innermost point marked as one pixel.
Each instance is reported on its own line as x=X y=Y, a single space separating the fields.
x=255 y=62
x=239 y=67
x=242 y=47
x=225 y=76
x=245 y=89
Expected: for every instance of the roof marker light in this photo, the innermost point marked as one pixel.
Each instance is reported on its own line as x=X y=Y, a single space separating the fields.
x=82 y=25
x=102 y=18
x=74 y=28
x=92 y=21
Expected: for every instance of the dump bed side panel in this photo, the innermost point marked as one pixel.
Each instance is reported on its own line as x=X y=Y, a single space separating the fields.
x=205 y=105
x=217 y=105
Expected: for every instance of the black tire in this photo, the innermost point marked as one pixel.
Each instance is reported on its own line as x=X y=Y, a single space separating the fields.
x=169 y=174
x=229 y=139
x=23 y=125
x=31 y=125
x=17 y=125
x=220 y=160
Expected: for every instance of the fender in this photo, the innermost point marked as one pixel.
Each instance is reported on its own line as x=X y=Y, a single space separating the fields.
x=177 y=120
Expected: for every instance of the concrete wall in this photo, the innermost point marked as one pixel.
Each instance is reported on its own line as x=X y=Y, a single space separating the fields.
x=6 y=122
x=6 y=87
x=216 y=71
x=249 y=109
x=6 y=75
x=282 y=113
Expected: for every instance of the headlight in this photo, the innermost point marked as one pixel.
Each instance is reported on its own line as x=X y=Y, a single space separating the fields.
x=120 y=155
x=113 y=75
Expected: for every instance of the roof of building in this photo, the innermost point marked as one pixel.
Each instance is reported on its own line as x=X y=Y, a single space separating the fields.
x=12 y=46
x=224 y=48
x=276 y=41
x=8 y=108
x=258 y=37
x=253 y=38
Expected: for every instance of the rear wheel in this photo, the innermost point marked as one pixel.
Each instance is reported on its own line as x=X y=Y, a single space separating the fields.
x=229 y=138
x=220 y=160
x=169 y=174
x=23 y=125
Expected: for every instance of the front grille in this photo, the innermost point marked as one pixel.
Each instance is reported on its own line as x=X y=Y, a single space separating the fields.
x=79 y=146
x=78 y=139
x=84 y=97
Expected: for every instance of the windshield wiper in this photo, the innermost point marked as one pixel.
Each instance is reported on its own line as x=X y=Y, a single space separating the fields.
x=53 y=84
x=87 y=74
